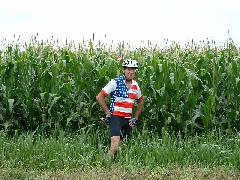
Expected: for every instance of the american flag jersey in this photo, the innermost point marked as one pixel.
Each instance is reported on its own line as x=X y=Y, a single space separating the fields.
x=122 y=98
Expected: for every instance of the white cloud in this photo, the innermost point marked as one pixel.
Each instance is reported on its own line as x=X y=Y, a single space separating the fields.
x=129 y=20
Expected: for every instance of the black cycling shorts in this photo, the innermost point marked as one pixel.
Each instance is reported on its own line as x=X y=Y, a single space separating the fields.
x=119 y=126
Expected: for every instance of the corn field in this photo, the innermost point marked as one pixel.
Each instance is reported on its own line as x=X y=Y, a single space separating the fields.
x=47 y=88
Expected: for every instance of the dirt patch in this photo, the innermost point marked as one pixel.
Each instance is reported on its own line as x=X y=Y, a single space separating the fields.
x=219 y=173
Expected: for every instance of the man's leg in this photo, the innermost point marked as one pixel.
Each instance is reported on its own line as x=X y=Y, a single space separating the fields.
x=115 y=141
x=115 y=127
x=126 y=131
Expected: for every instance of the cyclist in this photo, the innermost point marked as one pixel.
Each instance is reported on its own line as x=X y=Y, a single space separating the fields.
x=124 y=92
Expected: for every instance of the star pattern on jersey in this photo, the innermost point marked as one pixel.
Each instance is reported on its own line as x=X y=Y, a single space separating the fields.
x=121 y=91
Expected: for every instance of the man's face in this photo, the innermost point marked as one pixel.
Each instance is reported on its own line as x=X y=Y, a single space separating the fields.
x=129 y=73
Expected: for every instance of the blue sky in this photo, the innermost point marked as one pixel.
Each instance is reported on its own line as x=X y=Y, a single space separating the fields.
x=125 y=20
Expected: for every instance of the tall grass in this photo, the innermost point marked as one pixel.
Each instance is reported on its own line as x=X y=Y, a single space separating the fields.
x=89 y=149
x=48 y=88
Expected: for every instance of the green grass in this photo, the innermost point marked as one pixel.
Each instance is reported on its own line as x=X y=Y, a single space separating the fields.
x=90 y=149
x=85 y=156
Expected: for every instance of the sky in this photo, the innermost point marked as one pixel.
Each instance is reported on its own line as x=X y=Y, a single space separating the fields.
x=131 y=21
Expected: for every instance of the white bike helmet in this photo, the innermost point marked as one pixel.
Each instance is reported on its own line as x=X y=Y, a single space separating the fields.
x=130 y=63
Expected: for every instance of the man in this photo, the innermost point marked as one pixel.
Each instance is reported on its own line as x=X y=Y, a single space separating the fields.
x=124 y=93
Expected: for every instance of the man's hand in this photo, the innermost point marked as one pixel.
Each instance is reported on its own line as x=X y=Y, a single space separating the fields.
x=107 y=120
x=133 y=121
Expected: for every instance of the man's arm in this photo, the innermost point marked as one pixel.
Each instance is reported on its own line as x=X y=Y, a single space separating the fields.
x=101 y=100
x=139 y=108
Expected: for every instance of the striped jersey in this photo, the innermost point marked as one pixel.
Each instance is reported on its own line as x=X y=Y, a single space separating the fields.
x=122 y=98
